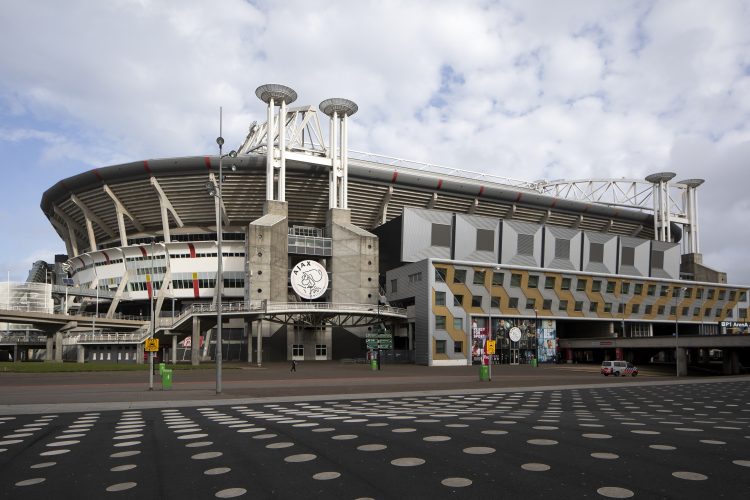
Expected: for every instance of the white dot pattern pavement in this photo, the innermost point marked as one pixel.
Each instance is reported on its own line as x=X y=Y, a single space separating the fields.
x=585 y=427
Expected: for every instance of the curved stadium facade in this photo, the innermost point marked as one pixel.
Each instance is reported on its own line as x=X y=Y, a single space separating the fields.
x=441 y=259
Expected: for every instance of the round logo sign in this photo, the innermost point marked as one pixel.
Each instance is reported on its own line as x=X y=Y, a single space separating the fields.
x=515 y=334
x=309 y=279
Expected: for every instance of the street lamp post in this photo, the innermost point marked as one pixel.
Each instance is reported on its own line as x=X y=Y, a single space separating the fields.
x=153 y=322
x=536 y=334
x=677 y=293
x=219 y=266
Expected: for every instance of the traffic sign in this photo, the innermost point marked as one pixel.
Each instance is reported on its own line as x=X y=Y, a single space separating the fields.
x=152 y=345
x=490 y=347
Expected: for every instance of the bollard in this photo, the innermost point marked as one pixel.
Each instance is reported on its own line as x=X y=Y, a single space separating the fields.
x=166 y=379
x=484 y=373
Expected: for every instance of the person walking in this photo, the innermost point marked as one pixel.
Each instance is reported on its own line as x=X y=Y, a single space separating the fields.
x=294 y=366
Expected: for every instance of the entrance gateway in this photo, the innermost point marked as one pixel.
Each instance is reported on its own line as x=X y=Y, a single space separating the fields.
x=515 y=336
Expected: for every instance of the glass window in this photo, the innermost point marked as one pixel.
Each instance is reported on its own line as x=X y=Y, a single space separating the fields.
x=565 y=284
x=321 y=350
x=688 y=293
x=621 y=308
x=649 y=309
x=549 y=282
x=699 y=293
x=696 y=311
x=513 y=302
x=394 y=287
x=459 y=276
x=593 y=307
x=611 y=286
x=608 y=307
x=651 y=290
x=298 y=350
x=638 y=289
x=578 y=306
x=440 y=346
x=458 y=300
x=625 y=288
x=743 y=312
x=581 y=285
x=533 y=281
x=440 y=274
x=685 y=311
x=495 y=302
x=563 y=306
x=458 y=323
x=515 y=279
x=596 y=286
x=664 y=291
x=458 y=346
x=722 y=294
x=660 y=310
x=743 y=295
x=439 y=298
x=478 y=277
x=497 y=279
x=672 y=310
x=530 y=303
x=635 y=308
x=440 y=322
x=707 y=312
x=476 y=301
x=547 y=304
x=711 y=293
x=732 y=294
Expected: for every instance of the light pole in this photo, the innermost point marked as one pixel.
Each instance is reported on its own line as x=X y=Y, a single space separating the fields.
x=536 y=334
x=677 y=292
x=153 y=322
x=219 y=265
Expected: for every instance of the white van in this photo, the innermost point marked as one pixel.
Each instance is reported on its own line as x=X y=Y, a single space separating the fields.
x=618 y=368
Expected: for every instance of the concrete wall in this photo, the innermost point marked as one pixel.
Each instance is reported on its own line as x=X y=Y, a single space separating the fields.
x=354 y=261
x=266 y=252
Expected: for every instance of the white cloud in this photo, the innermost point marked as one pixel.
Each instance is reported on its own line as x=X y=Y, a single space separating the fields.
x=524 y=89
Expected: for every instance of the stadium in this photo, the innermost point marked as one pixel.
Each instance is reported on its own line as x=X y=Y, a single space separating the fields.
x=333 y=254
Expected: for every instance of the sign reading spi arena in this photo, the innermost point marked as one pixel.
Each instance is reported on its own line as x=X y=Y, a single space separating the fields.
x=309 y=279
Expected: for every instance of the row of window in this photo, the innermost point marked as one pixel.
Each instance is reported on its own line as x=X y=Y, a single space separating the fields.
x=440 y=346
x=459 y=277
x=298 y=350
x=531 y=304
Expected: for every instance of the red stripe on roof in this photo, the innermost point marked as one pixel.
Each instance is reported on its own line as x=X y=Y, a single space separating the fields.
x=395 y=176
x=97 y=174
x=518 y=197
x=196 y=289
x=147 y=168
x=106 y=257
x=554 y=202
x=192 y=250
x=143 y=251
x=440 y=183
x=481 y=190
x=207 y=161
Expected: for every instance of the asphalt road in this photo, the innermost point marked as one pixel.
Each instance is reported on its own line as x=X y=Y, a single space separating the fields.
x=627 y=438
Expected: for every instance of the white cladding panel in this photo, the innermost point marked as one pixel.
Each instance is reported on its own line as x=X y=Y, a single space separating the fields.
x=665 y=260
x=562 y=248
x=476 y=238
x=634 y=256
x=599 y=252
x=420 y=229
x=521 y=244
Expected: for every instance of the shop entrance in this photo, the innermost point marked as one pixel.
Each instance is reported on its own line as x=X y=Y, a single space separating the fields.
x=514 y=356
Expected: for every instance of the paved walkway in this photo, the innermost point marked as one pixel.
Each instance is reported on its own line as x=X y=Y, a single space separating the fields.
x=22 y=392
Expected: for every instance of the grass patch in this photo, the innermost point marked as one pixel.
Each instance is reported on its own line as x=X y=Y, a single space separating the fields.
x=47 y=367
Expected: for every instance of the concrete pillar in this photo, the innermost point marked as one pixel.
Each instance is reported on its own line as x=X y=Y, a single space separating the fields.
x=139 y=354
x=259 y=350
x=174 y=349
x=731 y=362
x=195 y=346
x=81 y=354
x=248 y=326
x=58 y=347
x=49 y=352
x=681 y=362
x=15 y=353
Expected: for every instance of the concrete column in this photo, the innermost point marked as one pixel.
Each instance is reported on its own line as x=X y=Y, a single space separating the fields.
x=259 y=349
x=248 y=324
x=731 y=363
x=81 y=354
x=58 y=347
x=174 y=349
x=195 y=348
x=681 y=362
x=15 y=353
x=49 y=354
x=139 y=354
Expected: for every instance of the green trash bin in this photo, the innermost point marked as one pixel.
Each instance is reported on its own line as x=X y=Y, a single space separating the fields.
x=374 y=364
x=166 y=378
x=534 y=362
x=484 y=373
x=162 y=367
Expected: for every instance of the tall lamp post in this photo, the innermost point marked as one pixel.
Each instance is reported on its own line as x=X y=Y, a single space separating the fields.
x=219 y=266
x=536 y=334
x=677 y=293
x=153 y=322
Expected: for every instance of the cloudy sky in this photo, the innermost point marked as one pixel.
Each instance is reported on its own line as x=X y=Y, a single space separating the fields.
x=523 y=89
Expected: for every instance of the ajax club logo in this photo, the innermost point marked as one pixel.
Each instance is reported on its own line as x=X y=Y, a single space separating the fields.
x=309 y=279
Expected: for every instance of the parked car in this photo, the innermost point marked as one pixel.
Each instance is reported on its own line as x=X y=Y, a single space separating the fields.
x=618 y=368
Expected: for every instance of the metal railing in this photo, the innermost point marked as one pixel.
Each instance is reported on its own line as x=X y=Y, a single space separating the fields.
x=21 y=338
x=136 y=337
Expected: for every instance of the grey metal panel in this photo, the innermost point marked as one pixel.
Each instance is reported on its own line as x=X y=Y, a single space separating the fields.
x=641 y=249
x=552 y=237
x=671 y=261
x=466 y=238
x=417 y=234
x=609 y=254
x=421 y=291
x=510 y=241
